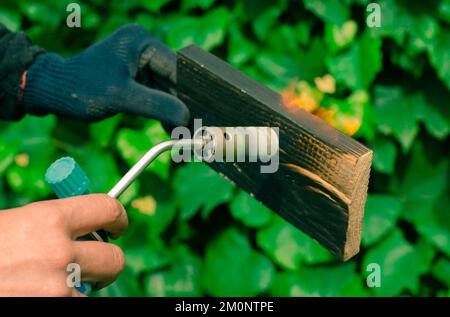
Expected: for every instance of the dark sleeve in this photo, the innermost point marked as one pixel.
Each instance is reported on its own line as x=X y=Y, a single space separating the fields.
x=16 y=55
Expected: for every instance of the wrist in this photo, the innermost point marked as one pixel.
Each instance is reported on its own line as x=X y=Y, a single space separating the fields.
x=45 y=85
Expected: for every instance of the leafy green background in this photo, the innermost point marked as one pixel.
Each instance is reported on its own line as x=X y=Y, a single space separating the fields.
x=194 y=233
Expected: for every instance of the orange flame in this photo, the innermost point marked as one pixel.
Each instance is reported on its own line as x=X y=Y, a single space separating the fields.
x=293 y=100
x=300 y=96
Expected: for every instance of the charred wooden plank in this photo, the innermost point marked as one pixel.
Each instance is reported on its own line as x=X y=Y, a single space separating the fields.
x=321 y=184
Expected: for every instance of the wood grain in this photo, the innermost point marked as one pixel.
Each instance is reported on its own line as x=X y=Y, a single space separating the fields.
x=321 y=184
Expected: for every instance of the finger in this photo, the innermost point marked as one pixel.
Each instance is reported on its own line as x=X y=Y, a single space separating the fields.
x=152 y=103
x=130 y=41
x=161 y=60
x=99 y=261
x=87 y=213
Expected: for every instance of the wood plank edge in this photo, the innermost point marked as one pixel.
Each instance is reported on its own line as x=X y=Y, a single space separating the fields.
x=356 y=207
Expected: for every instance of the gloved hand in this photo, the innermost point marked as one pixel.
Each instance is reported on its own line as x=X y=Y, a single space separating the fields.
x=99 y=82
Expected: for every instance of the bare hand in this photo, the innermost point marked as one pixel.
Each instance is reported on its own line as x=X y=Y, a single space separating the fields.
x=38 y=241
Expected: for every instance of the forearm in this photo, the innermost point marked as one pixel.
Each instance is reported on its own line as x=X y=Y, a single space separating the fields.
x=16 y=55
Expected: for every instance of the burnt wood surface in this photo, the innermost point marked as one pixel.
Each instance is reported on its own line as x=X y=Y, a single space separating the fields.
x=321 y=184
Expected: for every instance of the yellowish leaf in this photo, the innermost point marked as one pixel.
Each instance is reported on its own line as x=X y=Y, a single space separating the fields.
x=326 y=84
x=145 y=205
x=22 y=159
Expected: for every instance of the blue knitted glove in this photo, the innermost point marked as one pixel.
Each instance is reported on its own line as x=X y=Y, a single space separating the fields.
x=99 y=82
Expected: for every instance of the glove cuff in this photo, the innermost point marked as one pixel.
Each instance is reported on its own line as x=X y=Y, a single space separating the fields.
x=49 y=85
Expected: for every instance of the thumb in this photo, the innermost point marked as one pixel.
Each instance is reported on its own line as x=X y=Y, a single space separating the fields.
x=155 y=104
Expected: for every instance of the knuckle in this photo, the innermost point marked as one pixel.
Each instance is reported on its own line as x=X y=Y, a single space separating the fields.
x=53 y=214
x=118 y=258
x=55 y=219
x=63 y=256
x=49 y=215
x=113 y=208
x=39 y=209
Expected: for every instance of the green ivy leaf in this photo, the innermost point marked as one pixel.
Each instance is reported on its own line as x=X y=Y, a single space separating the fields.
x=156 y=206
x=358 y=66
x=207 y=31
x=333 y=11
x=164 y=215
x=384 y=154
x=133 y=144
x=434 y=116
x=103 y=131
x=188 y=5
x=91 y=19
x=130 y=193
x=356 y=288
x=264 y=22
x=233 y=268
x=7 y=152
x=424 y=34
x=182 y=278
x=444 y=10
x=154 y=5
x=112 y=23
x=146 y=20
x=10 y=19
x=286 y=34
x=314 y=281
x=30 y=144
x=30 y=132
x=410 y=61
x=401 y=264
x=50 y=14
x=250 y=211
x=4 y=203
x=29 y=179
x=99 y=166
x=303 y=32
x=199 y=186
x=158 y=215
x=145 y=258
x=396 y=114
x=439 y=55
x=380 y=217
x=306 y=65
x=249 y=11
x=424 y=182
x=278 y=66
x=240 y=49
x=435 y=226
x=396 y=21
x=289 y=247
x=125 y=285
x=441 y=270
